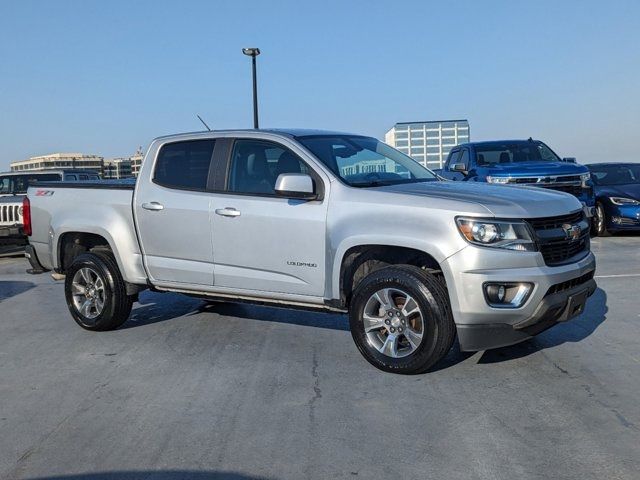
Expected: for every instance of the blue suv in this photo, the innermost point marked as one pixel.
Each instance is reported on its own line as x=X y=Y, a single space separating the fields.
x=520 y=162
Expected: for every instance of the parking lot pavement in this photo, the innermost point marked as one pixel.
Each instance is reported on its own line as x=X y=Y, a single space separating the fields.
x=190 y=390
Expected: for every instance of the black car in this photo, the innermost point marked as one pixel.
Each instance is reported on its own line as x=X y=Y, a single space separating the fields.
x=617 y=189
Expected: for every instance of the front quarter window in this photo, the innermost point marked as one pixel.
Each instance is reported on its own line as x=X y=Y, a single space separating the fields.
x=364 y=161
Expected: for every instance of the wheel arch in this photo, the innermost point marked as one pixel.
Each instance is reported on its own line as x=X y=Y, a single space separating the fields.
x=359 y=260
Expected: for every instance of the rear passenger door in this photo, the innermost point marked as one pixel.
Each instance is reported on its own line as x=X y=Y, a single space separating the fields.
x=173 y=215
x=262 y=242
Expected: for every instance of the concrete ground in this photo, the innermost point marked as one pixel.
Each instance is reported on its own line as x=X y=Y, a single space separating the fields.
x=190 y=390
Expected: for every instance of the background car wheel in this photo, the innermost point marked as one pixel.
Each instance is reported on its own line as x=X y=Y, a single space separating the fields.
x=401 y=319
x=95 y=292
x=600 y=221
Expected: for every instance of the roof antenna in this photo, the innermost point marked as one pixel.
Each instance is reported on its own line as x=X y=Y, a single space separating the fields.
x=203 y=122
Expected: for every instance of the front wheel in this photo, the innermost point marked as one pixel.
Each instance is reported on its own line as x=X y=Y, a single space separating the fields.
x=600 y=221
x=401 y=319
x=96 y=293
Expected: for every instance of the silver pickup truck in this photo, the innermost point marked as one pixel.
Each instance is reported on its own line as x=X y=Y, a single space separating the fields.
x=320 y=220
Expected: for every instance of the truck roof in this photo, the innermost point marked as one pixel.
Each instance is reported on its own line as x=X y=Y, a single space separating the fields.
x=286 y=132
x=498 y=142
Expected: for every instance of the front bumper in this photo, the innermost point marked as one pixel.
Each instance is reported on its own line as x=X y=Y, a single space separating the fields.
x=554 y=308
x=12 y=235
x=555 y=289
x=623 y=217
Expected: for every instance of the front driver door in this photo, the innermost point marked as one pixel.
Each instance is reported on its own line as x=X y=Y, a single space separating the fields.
x=261 y=242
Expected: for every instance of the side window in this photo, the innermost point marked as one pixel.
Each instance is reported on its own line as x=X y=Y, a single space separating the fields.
x=184 y=165
x=256 y=164
x=72 y=177
x=464 y=158
x=84 y=177
x=453 y=158
x=5 y=185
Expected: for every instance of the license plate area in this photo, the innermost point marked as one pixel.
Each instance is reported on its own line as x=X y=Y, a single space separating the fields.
x=575 y=305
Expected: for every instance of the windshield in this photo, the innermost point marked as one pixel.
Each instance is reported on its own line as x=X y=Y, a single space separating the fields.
x=18 y=184
x=497 y=153
x=615 y=174
x=365 y=161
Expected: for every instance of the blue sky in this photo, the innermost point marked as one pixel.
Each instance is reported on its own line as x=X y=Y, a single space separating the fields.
x=105 y=77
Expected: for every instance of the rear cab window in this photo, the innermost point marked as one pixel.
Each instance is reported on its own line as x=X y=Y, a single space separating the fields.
x=184 y=165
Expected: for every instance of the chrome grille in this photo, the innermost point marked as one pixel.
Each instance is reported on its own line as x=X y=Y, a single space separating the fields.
x=10 y=214
x=563 y=183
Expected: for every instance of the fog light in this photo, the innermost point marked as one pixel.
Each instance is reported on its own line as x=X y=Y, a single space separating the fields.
x=507 y=295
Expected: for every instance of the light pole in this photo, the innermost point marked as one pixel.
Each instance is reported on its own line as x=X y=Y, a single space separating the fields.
x=253 y=53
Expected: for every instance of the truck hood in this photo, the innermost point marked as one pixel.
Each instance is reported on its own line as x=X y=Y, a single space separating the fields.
x=499 y=200
x=526 y=169
x=4 y=199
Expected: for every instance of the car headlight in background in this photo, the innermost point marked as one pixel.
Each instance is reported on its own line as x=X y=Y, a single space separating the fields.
x=496 y=233
x=497 y=179
x=584 y=178
x=623 y=201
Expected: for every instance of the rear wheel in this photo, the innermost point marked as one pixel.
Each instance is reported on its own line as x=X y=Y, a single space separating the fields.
x=96 y=293
x=401 y=319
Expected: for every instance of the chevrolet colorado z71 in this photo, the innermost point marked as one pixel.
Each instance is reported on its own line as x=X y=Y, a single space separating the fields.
x=320 y=220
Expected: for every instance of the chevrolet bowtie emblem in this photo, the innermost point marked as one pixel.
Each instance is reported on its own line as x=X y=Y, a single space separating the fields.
x=571 y=232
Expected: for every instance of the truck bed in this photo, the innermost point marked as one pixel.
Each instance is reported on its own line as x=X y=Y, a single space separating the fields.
x=101 y=208
x=127 y=184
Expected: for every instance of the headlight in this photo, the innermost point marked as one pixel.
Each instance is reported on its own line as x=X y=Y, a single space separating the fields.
x=498 y=179
x=584 y=178
x=623 y=201
x=496 y=233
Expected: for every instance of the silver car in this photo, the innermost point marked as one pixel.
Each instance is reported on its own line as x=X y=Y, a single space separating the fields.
x=320 y=220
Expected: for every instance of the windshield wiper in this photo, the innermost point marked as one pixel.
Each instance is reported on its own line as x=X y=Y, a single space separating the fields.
x=371 y=183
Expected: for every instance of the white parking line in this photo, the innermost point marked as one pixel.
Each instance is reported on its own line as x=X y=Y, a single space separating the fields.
x=616 y=276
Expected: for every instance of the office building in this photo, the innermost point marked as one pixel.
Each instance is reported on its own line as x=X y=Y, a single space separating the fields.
x=429 y=142
x=117 y=168
x=52 y=161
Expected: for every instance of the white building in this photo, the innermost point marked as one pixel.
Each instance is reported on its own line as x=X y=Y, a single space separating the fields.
x=117 y=168
x=136 y=162
x=428 y=143
x=52 y=161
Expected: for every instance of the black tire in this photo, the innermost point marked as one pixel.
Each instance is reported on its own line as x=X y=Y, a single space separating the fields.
x=117 y=304
x=600 y=227
x=430 y=294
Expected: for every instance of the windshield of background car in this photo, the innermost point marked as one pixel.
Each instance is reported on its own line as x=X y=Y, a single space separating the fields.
x=492 y=154
x=615 y=174
x=364 y=161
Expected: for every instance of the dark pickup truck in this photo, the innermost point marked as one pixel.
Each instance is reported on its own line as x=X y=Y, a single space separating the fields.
x=521 y=163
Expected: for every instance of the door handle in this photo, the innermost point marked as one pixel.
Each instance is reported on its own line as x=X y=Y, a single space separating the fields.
x=228 y=212
x=153 y=206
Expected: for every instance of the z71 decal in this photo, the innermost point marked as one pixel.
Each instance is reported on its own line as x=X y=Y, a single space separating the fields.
x=44 y=193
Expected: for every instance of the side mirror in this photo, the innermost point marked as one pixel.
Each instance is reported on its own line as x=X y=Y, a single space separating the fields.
x=569 y=159
x=295 y=185
x=459 y=167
